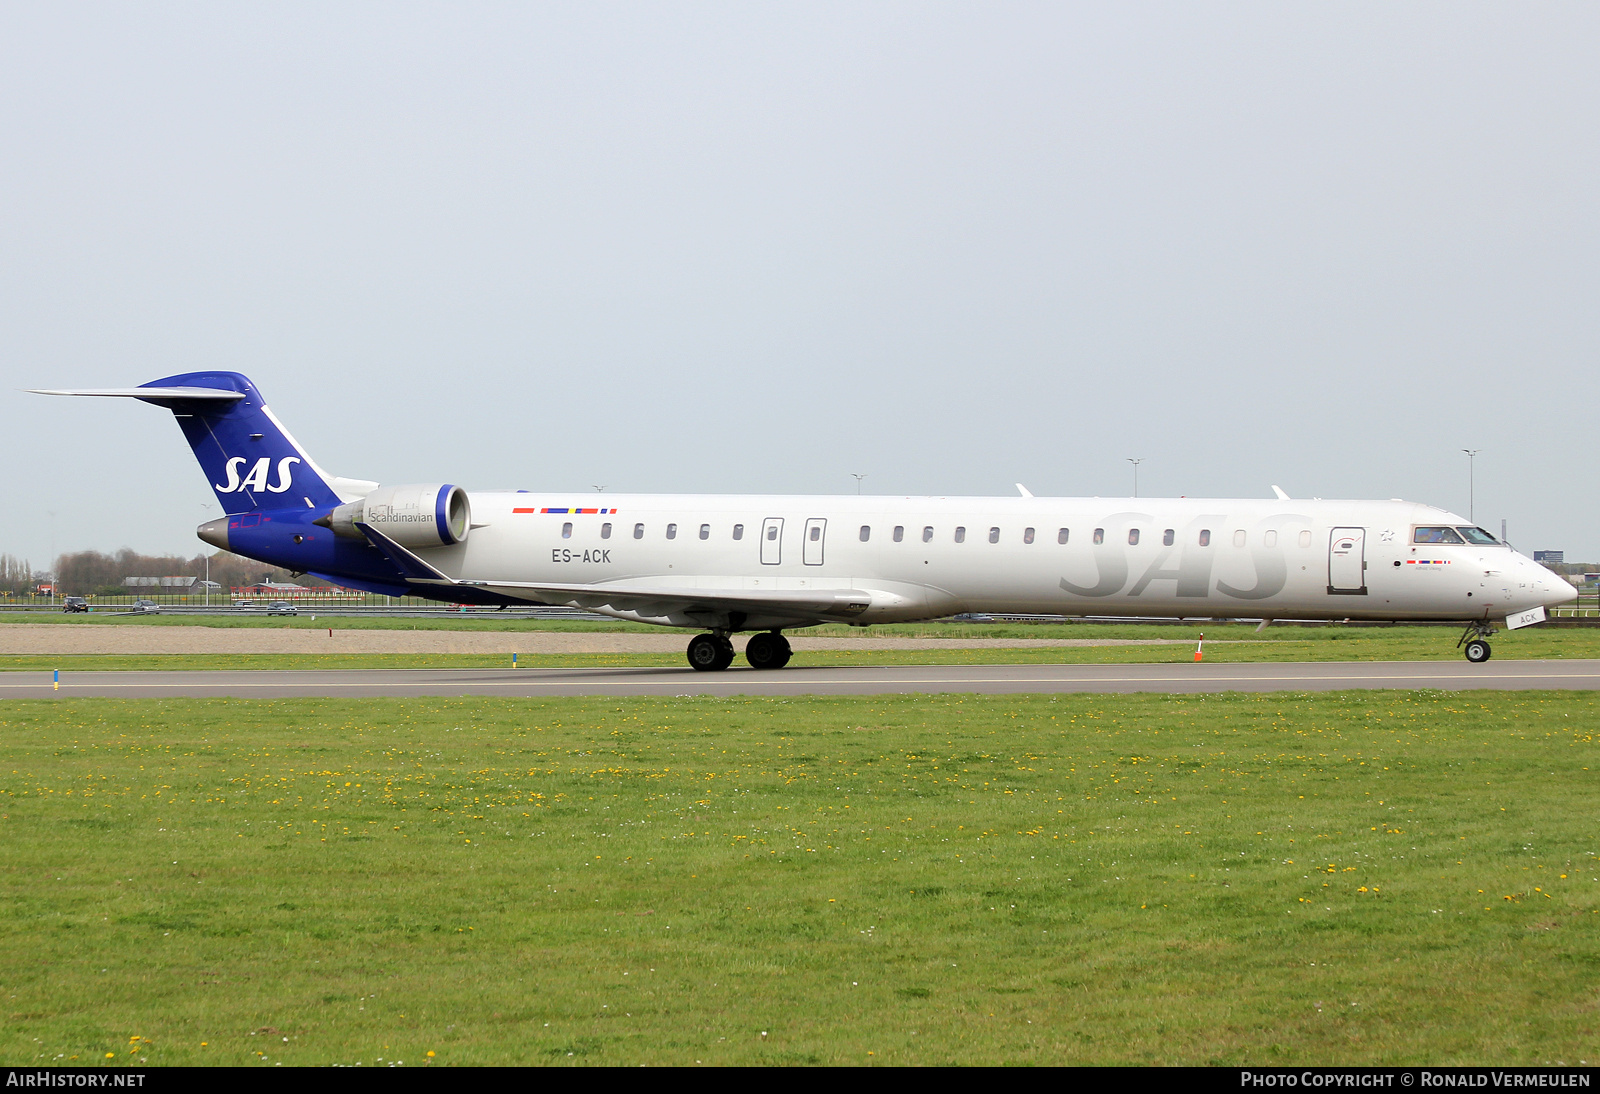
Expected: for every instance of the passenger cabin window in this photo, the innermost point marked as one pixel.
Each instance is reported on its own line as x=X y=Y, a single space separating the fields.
x=1205 y=537
x=1167 y=537
x=1305 y=538
x=816 y=532
x=566 y=530
x=672 y=531
x=638 y=531
x=1436 y=535
x=1099 y=536
x=705 y=531
x=772 y=532
x=899 y=532
x=1027 y=535
x=927 y=534
x=961 y=534
x=738 y=531
x=1133 y=537
x=1061 y=535
x=866 y=533
x=994 y=535
x=1477 y=535
x=1238 y=537
x=605 y=531
x=1270 y=539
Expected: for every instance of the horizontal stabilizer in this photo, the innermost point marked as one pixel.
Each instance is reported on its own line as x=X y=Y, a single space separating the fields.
x=148 y=393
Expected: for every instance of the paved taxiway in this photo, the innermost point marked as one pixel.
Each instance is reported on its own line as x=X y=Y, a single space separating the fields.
x=801 y=680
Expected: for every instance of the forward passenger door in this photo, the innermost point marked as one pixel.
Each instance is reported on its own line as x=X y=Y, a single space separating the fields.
x=816 y=537
x=1347 y=561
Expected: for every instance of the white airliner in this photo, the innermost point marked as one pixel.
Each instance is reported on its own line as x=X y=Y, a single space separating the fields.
x=764 y=563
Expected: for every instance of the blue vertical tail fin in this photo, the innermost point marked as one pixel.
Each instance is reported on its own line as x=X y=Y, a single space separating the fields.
x=250 y=460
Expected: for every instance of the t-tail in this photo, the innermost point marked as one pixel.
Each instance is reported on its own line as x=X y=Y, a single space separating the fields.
x=250 y=460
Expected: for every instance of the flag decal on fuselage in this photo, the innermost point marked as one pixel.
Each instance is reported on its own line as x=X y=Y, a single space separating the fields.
x=565 y=511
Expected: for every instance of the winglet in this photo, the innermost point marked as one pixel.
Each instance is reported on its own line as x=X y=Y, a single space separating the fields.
x=1023 y=490
x=1281 y=495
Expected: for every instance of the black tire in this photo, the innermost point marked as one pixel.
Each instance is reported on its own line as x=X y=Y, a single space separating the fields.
x=1477 y=651
x=706 y=653
x=767 y=651
x=709 y=653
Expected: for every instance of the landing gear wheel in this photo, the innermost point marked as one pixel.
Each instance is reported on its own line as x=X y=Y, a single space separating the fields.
x=767 y=651
x=710 y=653
x=1477 y=651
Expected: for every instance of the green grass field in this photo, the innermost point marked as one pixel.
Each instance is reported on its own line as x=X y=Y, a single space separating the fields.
x=1229 y=644
x=1314 y=633
x=1273 y=879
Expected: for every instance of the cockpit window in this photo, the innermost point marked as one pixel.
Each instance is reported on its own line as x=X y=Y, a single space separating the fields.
x=1476 y=535
x=1436 y=535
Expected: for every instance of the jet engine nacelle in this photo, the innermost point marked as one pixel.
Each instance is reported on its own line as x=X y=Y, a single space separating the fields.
x=429 y=515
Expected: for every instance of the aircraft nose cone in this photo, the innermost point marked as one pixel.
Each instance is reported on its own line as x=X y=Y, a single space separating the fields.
x=214 y=532
x=1556 y=590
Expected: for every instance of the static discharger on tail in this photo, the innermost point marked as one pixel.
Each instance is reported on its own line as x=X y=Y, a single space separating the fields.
x=723 y=564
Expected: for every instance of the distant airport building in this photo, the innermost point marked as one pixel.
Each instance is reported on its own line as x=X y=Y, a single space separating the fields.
x=160 y=582
x=1548 y=558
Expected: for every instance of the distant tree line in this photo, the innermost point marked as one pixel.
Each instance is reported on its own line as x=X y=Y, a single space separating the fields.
x=16 y=576
x=90 y=572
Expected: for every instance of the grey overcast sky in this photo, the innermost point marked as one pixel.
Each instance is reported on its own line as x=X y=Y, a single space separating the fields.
x=760 y=247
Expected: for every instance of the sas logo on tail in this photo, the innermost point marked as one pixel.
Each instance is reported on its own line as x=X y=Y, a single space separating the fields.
x=257 y=478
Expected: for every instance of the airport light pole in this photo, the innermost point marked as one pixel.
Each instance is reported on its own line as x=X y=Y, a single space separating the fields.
x=1472 y=482
x=55 y=570
x=1136 y=463
x=205 y=507
x=858 y=479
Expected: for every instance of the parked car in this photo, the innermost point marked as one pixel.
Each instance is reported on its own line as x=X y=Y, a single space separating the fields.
x=146 y=606
x=282 y=607
x=74 y=604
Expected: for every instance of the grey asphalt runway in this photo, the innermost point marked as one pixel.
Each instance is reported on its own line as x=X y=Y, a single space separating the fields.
x=972 y=679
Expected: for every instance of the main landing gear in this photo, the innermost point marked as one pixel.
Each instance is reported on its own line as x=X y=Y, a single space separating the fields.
x=713 y=652
x=768 y=650
x=1477 y=650
x=710 y=652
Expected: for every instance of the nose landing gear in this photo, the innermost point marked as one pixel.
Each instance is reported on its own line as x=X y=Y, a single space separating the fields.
x=1477 y=649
